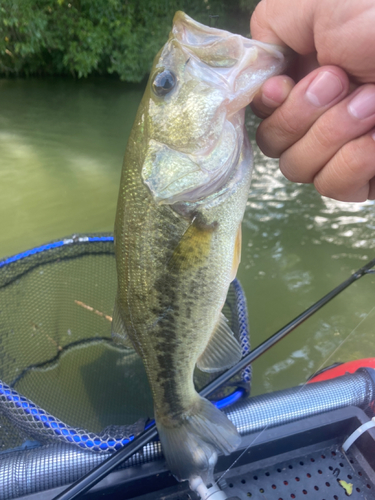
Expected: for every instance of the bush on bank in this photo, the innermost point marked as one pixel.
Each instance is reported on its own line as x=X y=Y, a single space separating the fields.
x=82 y=37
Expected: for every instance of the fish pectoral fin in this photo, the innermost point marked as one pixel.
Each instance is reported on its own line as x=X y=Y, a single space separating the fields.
x=119 y=333
x=222 y=351
x=237 y=253
x=194 y=247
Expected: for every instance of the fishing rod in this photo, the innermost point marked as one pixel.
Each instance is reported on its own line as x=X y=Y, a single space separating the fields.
x=102 y=470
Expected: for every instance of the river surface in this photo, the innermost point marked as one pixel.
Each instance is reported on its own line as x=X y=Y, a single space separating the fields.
x=61 y=149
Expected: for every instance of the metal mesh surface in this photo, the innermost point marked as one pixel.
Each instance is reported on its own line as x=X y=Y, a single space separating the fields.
x=288 y=405
x=62 y=375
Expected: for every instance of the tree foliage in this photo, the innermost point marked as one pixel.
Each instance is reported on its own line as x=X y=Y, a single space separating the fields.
x=81 y=37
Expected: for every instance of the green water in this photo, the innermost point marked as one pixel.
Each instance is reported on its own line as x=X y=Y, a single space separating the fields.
x=61 y=149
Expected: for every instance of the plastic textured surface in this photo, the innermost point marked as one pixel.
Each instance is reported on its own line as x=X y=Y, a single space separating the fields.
x=296 y=461
x=314 y=476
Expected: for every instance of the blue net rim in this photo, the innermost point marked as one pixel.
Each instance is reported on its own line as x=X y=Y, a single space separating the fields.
x=55 y=244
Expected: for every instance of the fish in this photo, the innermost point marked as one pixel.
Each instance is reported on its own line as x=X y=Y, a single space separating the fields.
x=183 y=192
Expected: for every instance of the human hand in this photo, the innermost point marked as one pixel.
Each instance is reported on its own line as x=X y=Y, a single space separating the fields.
x=323 y=127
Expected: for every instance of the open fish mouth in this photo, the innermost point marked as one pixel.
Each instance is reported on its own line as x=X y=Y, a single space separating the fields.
x=232 y=63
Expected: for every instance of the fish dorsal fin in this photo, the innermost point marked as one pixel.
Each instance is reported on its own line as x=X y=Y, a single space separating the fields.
x=237 y=253
x=119 y=333
x=222 y=351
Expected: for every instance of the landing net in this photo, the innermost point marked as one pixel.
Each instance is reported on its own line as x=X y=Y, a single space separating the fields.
x=62 y=378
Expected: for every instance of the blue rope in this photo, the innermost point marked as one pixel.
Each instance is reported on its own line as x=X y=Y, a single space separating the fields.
x=58 y=429
x=39 y=419
x=231 y=399
x=243 y=326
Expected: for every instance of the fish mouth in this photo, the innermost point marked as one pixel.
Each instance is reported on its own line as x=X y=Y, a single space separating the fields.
x=235 y=64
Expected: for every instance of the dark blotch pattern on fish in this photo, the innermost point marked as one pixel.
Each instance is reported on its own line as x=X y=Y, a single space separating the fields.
x=167 y=341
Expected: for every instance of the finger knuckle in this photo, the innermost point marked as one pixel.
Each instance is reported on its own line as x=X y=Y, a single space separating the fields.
x=259 y=110
x=325 y=188
x=279 y=131
x=323 y=135
x=287 y=123
x=290 y=169
x=371 y=194
x=264 y=139
x=285 y=169
x=359 y=157
x=324 y=185
x=350 y=156
x=346 y=176
x=258 y=20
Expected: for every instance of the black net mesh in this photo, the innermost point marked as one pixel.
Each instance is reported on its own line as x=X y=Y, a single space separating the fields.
x=56 y=349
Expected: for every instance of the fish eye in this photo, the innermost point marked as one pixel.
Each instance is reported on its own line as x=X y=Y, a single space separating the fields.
x=164 y=82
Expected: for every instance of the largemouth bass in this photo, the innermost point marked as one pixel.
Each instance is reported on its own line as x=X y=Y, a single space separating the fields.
x=184 y=187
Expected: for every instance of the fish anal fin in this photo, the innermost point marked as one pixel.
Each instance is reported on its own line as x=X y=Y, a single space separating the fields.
x=222 y=351
x=236 y=253
x=194 y=246
x=119 y=333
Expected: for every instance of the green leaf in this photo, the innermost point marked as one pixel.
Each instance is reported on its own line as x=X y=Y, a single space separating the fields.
x=348 y=487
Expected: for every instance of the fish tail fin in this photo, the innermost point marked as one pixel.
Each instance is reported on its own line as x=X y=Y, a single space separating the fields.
x=191 y=445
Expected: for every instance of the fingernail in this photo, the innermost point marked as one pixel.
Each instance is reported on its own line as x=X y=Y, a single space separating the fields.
x=324 y=88
x=276 y=90
x=363 y=104
x=270 y=103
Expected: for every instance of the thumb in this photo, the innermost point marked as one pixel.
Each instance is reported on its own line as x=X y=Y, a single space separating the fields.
x=285 y=22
